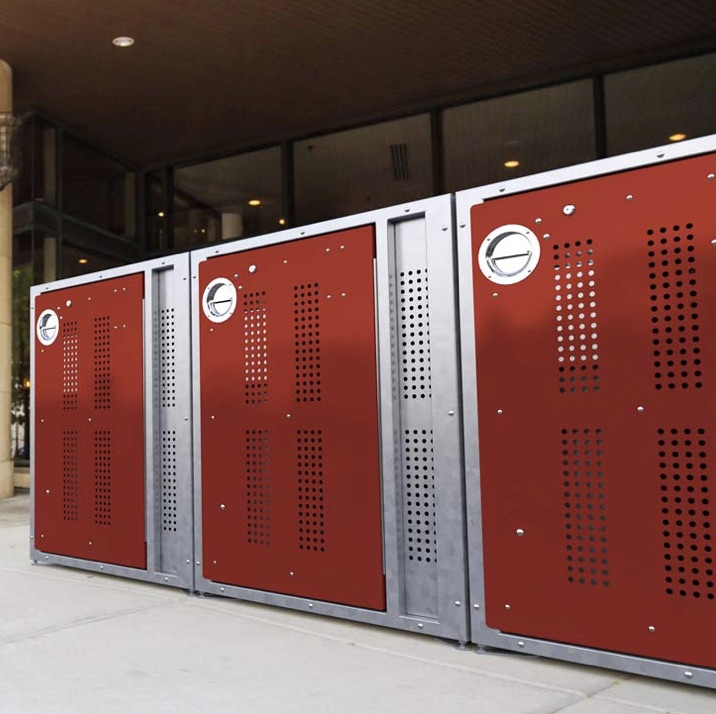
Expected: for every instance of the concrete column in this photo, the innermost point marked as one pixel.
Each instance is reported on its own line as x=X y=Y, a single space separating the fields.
x=6 y=463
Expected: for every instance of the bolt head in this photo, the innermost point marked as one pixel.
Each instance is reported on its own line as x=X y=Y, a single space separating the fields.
x=569 y=209
x=252 y=268
x=520 y=532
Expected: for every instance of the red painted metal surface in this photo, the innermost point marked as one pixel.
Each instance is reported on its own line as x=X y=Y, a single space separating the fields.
x=289 y=423
x=89 y=424
x=606 y=463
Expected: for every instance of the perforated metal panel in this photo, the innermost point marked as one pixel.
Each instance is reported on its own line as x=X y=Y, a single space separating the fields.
x=89 y=430
x=295 y=508
x=111 y=469
x=594 y=407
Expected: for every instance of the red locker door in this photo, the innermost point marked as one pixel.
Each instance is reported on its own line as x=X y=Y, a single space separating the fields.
x=596 y=413
x=89 y=422
x=289 y=422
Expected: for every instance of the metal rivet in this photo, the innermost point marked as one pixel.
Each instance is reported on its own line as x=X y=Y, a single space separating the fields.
x=222 y=507
x=197 y=562
x=652 y=628
x=329 y=296
x=546 y=236
x=420 y=625
x=292 y=573
x=101 y=567
x=451 y=413
x=89 y=418
x=640 y=410
x=343 y=294
x=501 y=189
x=303 y=233
x=188 y=562
x=494 y=295
x=68 y=303
x=711 y=177
x=223 y=590
x=213 y=417
x=236 y=275
x=476 y=606
x=186 y=418
x=166 y=580
x=47 y=491
x=457 y=603
x=520 y=532
x=499 y=412
x=630 y=197
x=569 y=209
x=660 y=155
x=252 y=268
x=407 y=210
x=328 y=250
x=507 y=607
x=47 y=557
x=310 y=604
x=688 y=675
x=288 y=416
x=343 y=247
x=462 y=225
x=520 y=644
x=538 y=221
x=285 y=262
x=90 y=542
x=445 y=228
x=713 y=242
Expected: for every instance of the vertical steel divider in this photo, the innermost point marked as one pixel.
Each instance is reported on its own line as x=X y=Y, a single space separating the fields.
x=447 y=420
x=387 y=415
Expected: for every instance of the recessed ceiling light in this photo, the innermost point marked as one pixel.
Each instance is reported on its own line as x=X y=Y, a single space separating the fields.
x=282 y=221
x=512 y=164
x=677 y=137
x=83 y=261
x=255 y=202
x=123 y=41
x=161 y=214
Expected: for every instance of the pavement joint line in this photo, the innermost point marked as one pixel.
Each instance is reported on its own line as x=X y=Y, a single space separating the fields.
x=112 y=583
x=594 y=695
x=651 y=707
x=415 y=658
x=37 y=634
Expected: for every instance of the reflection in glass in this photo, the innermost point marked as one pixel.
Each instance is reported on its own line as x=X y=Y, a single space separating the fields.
x=646 y=106
x=362 y=169
x=517 y=135
x=236 y=197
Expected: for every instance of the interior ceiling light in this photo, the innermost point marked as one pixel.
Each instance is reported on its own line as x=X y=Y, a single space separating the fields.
x=677 y=137
x=255 y=202
x=161 y=214
x=123 y=41
x=282 y=221
x=83 y=261
x=512 y=164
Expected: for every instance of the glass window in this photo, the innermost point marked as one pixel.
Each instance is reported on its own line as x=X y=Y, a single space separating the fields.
x=647 y=107
x=362 y=169
x=194 y=223
x=156 y=216
x=236 y=197
x=96 y=189
x=521 y=134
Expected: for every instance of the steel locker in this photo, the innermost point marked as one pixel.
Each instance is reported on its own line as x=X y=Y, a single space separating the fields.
x=587 y=320
x=327 y=431
x=111 y=404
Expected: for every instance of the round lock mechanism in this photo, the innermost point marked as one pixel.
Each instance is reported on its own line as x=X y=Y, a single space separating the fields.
x=219 y=300
x=509 y=254
x=48 y=327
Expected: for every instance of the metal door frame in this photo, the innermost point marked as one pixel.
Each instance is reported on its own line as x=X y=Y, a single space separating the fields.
x=181 y=573
x=446 y=409
x=480 y=633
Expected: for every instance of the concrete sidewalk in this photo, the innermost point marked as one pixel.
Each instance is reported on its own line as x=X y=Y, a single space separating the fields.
x=77 y=642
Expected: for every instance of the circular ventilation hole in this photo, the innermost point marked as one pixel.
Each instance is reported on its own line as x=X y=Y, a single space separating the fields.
x=219 y=300
x=48 y=327
x=509 y=254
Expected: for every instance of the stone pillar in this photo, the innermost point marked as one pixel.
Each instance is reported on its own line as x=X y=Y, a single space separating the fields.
x=6 y=463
